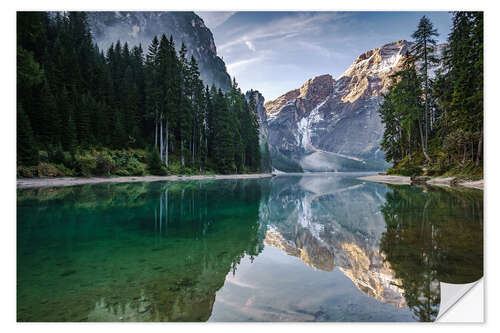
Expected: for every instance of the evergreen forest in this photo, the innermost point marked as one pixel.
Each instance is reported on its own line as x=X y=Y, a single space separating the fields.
x=433 y=112
x=124 y=111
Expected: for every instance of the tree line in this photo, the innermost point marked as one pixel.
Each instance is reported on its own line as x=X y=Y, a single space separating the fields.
x=433 y=111
x=73 y=96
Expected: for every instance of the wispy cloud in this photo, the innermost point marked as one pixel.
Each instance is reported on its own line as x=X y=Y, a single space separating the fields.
x=240 y=65
x=319 y=49
x=288 y=36
x=300 y=24
x=250 y=45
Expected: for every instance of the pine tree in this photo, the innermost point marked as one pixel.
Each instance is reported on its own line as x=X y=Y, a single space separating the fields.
x=49 y=119
x=224 y=148
x=152 y=89
x=445 y=114
x=27 y=152
x=252 y=136
x=423 y=51
x=402 y=113
x=83 y=105
x=195 y=89
x=130 y=106
x=184 y=107
x=210 y=98
x=461 y=84
x=69 y=142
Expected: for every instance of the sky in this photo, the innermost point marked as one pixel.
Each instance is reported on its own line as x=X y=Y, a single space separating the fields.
x=275 y=52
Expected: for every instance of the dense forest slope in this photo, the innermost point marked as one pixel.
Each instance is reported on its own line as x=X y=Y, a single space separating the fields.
x=185 y=27
x=126 y=110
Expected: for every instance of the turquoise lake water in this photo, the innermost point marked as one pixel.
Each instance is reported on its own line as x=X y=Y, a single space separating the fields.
x=303 y=247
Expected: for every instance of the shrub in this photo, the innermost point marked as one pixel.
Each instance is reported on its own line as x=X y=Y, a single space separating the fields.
x=69 y=160
x=27 y=172
x=155 y=165
x=122 y=172
x=104 y=165
x=54 y=154
x=43 y=155
x=63 y=171
x=126 y=164
x=134 y=167
x=410 y=170
x=85 y=165
x=186 y=171
x=405 y=170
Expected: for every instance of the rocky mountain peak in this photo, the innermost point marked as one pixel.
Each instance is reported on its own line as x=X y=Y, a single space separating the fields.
x=275 y=106
x=369 y=75
x=309 y=95
x=316 y=89
x=312 y=127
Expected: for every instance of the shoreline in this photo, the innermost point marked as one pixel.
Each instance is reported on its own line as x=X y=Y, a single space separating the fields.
x=437 y=181
x=72 y=181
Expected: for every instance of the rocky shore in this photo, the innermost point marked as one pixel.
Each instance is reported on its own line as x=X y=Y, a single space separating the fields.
x=437 y=181
x=70 y=181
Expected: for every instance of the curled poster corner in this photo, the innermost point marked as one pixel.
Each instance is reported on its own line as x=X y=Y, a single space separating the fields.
x=455 y=302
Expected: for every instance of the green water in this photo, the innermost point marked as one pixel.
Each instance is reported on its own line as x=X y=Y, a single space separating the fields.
x=312 y=247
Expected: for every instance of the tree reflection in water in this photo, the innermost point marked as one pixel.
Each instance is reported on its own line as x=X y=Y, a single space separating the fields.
x=132 y=252
x=433 y=235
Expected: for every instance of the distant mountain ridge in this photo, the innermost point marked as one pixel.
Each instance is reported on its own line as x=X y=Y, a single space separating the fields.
x=333 y=125
x=140 y=27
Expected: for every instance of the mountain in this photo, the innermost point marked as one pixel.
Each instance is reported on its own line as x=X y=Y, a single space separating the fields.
x=332 y=124
x=265 y=160
x=330 y=222
x=140 y=28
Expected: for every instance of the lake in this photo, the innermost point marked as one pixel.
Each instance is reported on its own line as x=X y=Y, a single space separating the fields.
x=296 y=247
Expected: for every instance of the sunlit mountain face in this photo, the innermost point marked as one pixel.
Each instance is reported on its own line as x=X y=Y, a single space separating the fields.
x=297 y=247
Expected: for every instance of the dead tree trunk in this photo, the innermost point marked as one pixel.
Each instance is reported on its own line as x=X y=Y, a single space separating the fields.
x=166 y=143
x=422 y=140
x=156 y=129
x=161 y=139
x=479 y=148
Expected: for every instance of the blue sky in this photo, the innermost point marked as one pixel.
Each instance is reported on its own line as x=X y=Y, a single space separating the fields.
x=275 y=52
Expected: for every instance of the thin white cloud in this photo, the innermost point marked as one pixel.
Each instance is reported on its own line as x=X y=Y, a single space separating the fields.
x=240 y=65
x=250 y=45
x=287 y=27
x=318 y=48
x=214 y=19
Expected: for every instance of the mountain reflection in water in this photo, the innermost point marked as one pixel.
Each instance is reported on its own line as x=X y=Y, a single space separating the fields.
x=311 y=247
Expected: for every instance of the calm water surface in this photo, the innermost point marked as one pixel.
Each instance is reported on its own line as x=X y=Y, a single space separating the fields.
x=309 y=247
